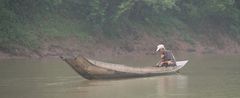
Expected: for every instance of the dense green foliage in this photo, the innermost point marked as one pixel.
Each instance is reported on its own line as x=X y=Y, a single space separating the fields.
x=28 y=22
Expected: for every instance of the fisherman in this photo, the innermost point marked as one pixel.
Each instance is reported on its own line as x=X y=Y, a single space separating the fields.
x=166 y=57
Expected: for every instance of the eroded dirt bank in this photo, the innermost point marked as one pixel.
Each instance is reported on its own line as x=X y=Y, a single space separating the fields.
x=144 y=45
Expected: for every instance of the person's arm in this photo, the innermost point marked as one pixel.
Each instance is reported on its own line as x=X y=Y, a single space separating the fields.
x=162 y=59
x=159 y=63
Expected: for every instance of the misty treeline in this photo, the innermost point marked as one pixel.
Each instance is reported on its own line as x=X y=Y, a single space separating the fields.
x=110 y=16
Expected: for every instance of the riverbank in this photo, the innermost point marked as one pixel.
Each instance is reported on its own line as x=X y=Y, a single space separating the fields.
x=98 y=48
x=117 y=28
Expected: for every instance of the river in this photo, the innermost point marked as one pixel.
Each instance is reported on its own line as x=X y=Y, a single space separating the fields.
x=205 y=76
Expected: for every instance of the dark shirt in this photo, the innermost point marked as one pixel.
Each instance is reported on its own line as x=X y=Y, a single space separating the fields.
x=168 y=56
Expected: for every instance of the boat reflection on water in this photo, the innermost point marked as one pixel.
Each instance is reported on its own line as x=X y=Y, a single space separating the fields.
x=174 y=85
x=152 y=87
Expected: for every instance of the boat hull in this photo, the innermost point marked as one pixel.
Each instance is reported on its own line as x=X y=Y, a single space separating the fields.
x=100 y=70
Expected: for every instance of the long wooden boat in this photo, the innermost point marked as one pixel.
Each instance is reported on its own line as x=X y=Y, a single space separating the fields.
x=92 y=69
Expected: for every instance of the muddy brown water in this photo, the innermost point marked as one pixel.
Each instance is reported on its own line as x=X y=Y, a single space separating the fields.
x=205 y=76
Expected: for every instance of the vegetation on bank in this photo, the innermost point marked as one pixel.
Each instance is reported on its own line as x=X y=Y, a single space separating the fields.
x=29 y=23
